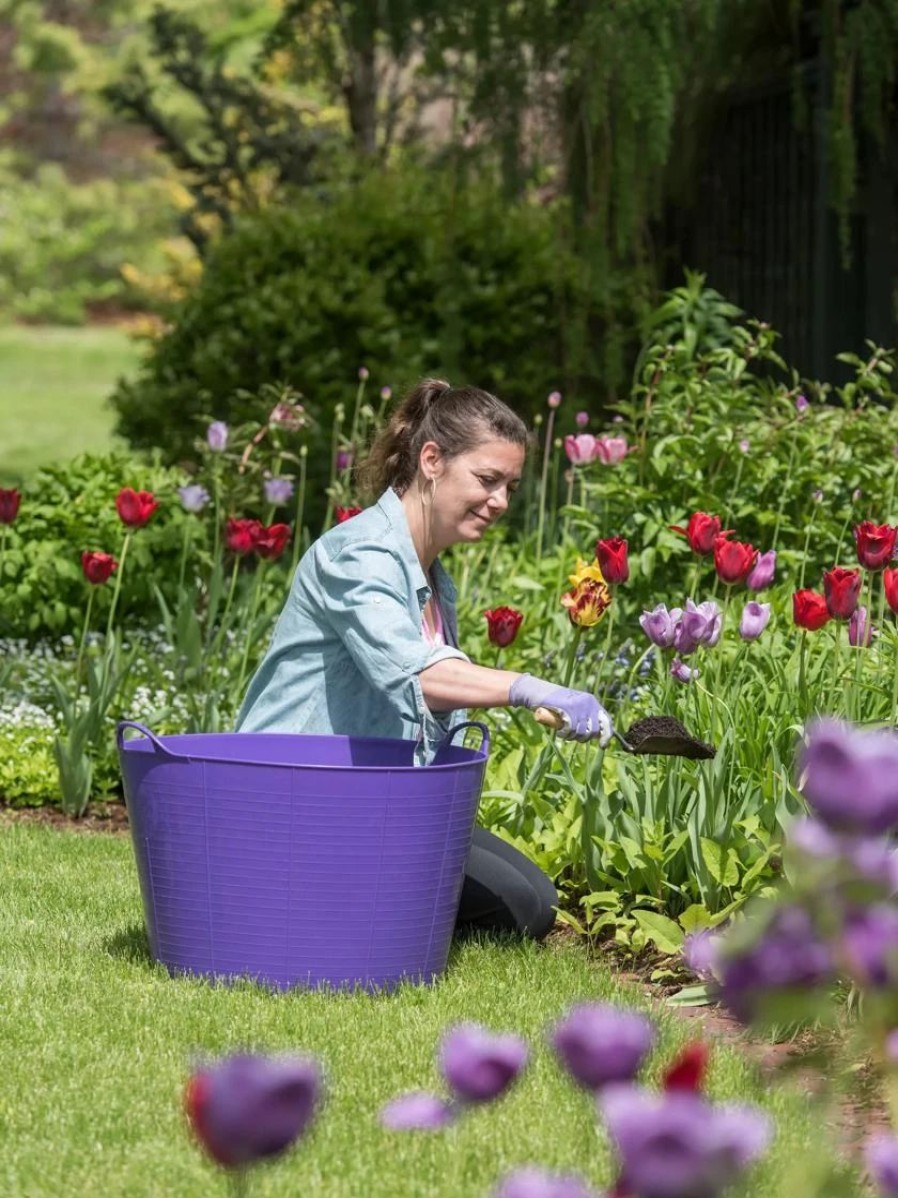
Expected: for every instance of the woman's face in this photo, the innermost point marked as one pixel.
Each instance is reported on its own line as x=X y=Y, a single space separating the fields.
x=473 y=489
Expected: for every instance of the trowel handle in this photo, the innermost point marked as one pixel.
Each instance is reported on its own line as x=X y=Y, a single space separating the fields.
x=549 y=718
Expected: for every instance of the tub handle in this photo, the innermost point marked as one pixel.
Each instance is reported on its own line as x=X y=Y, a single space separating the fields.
x=447 y=739
x=144 y=731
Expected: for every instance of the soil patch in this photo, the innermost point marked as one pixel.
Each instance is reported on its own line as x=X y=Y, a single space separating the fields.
x=99 y=817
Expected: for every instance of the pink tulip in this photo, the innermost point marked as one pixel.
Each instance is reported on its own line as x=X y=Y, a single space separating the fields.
x=611 y=450
x=580 y=449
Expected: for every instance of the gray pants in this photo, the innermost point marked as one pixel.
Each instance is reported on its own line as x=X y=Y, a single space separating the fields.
x=504 y=891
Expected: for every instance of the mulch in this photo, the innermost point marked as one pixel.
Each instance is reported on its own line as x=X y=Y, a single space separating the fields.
x=853 y=1118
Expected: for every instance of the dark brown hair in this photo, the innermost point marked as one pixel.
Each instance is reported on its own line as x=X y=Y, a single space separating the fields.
x=457 y=419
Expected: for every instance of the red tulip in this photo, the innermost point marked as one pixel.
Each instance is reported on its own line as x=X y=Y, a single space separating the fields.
x=502 y=625
x=98 y=567
x=875 y=544
x=842 y=589
x=345 y=513
x=733 y=560
x=241 y=535
x=687 y=1070
x=890 y=582
x=809 y=610
x=135 y=507
x=613 y=562
x=9 y=505
x=701 y=532
x=271 y=541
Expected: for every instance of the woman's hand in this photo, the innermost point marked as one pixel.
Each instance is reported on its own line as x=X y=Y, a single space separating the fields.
x=584 y=716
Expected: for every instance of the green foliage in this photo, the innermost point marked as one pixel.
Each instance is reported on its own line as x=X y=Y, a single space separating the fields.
x=69 y=508
x=401 y=274
x=28 y=775
x=62 y=244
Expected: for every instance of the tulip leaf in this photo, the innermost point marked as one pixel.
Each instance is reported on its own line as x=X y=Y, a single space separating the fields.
x=720 y=861
x=663 y=932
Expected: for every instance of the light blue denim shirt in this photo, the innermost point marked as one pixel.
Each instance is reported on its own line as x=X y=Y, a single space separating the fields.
x=348 y=646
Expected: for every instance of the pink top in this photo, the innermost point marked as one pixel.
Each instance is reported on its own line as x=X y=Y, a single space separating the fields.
x=436 y=637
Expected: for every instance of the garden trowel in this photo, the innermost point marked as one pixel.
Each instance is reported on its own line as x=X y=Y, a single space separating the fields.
x=663 y=735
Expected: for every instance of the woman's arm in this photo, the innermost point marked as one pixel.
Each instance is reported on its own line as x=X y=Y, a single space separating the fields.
x=453 y=683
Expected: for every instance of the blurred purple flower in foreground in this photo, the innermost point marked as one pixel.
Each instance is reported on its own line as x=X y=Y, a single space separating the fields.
x=479 y=1066
x=850 y=776
x=600 y=1044
x=278 y=490
x=533 y=1182
x=675 y=1143
x=784 y=955
x=418 y=1111
x=345 y=459
x=801 y=404
x=194 y=497
x=868 y=945
x=244 y=1108
x=660 y=625
x=755 y=618
x=881 y=1158
x=217 y=436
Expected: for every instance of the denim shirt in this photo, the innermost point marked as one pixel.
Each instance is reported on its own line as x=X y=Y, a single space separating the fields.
x=348 y=646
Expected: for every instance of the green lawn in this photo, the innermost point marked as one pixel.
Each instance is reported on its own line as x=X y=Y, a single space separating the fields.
x=55 y=382
x=97 y=1041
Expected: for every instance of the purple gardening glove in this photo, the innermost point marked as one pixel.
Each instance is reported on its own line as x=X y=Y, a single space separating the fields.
x=584 y=716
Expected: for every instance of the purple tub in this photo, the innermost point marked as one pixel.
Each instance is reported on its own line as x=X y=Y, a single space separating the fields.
x=300 y=860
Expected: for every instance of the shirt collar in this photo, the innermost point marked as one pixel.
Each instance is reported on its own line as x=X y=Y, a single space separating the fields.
x=391 y=505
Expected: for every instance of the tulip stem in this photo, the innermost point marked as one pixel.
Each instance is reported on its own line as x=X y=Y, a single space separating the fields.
x=807 y=541
x=572 y=655
x=118 y=584
x=238 y=1182
x=544 y=483
x=90 y=604
x=802 y=674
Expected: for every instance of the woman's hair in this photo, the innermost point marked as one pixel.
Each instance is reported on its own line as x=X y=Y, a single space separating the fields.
x=457 y=419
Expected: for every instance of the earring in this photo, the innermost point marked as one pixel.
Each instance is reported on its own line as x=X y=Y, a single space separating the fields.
x=432 y=483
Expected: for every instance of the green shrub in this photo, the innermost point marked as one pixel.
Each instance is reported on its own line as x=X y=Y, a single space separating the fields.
x=401 y=274
x=28 y=775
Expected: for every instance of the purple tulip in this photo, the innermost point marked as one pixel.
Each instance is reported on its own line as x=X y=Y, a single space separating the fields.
x=554 y=399
x=676 y=1143
x=682 y=672
x=702 y=623
x=386 y=393
x=659 y=625
x=479 y=1066
x=217 y=436
x=881 y=1159
x=860 y=629
x=194 y=497
x=532 y=1182
x=245 y=1108
x=600 y=1044
x=785 y=955
x=364 y=374
x=582 y=419
x=685 y=642
x=701 y=951
x=278 y=490
x=763 y=571
x=868 y=945
x=850 y=777
x=801 y=404
x=345 y=458
x=755 y=618
x=418 y=1111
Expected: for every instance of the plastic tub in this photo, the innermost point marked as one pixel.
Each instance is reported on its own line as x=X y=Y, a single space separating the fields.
x=300 y=860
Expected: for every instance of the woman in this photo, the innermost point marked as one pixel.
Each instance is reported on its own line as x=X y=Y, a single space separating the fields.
x=367 y=643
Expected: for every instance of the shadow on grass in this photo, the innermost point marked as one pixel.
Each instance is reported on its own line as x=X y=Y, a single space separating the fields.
x=130 y=944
